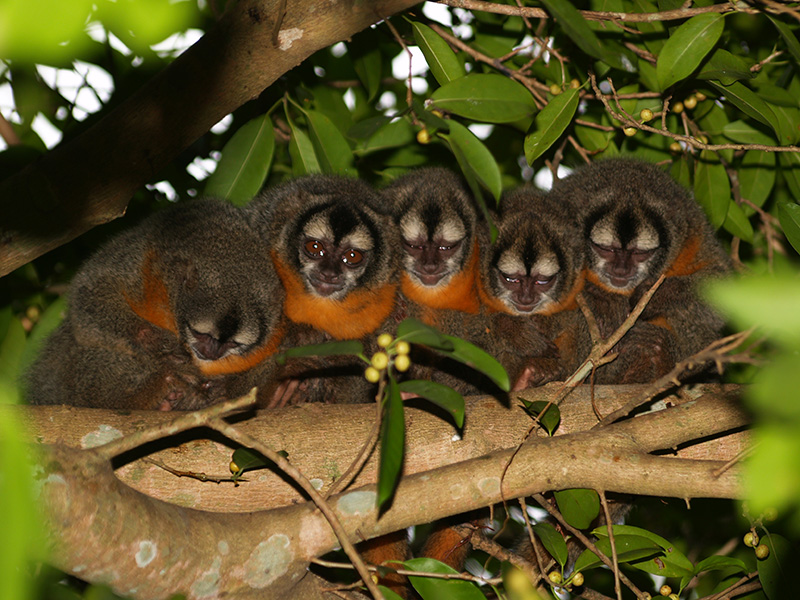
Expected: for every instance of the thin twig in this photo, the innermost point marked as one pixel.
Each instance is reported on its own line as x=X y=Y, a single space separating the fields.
x=612 y=542
x=250 y=442
x=185 y=422
x=739 y=456
x=462 y=576
x=726 y=593
x=534 y=543
x=401 y=41
x=193 y=474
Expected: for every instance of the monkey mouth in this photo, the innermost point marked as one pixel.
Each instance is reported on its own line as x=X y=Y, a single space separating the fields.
x=526 y=308
x=620 y=282
x=429 y=279
x=326 y=288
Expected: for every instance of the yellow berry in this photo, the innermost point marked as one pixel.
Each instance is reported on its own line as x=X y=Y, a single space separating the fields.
x=555 y=89
x=770 y=514
x=554 y=577
x=762 y=551
x=372 y=374
x=438 y=113
x=234 y=468
x=750 y=539
x=690 y=102
x=630 y=131
x=402 y=362
x=385 y=339
x=700 y=96
x=577 y=579
x=646 y=115
x=703 y=139
x=402 y=347
x=380 y=360
x=574 y=84
x=423 y=136
x=677 y=108
x=675 y=147
x=674 y=597
x=665 y=590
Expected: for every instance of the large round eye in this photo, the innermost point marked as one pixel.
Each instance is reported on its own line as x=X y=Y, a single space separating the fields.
x=314 y=248
x=509 y=278
x=352 y=257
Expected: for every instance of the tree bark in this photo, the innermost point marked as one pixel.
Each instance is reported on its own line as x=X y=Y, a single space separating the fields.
x=104 y=530
x=90 y=179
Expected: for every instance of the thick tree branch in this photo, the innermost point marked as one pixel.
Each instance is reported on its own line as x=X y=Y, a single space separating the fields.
x=87 y=181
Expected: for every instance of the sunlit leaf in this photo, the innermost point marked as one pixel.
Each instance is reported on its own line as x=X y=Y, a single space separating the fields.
x=744 y=133
x=301 y=150
x=441 y=395
x=387 y=134
x=485 y=97
x=672 y=563
x=393 y=433
x=687 y=46
x=552 y=541
x=247 y=459
x=550 y=419
x=712 y=189
x=477 y=158
x=345 y=347
x=578 y=506
x=436 y=589
x=245 y=162
x=789 y=37
x=550 y=123
x=441 y=59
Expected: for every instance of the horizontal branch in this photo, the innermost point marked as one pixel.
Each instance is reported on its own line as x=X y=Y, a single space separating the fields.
x=340 y=431
x=160 y=548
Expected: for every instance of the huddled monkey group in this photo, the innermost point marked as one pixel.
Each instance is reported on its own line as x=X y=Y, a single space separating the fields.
x=191 y=306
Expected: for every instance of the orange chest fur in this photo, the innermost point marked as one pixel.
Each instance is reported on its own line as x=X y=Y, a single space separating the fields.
x=361 y=312
x=152 y=303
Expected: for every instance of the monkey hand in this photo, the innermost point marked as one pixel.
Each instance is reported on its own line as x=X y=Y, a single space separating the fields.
x=538 y=371
x=645 y=354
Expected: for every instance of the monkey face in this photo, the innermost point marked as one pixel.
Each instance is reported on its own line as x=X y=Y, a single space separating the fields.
x=624 y=246
x=434 y=245
x=214 y=337
x=334 y=250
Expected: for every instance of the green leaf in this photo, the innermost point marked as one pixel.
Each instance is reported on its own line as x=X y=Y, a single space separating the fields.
x=550 y=123
x=485 y=97
x=301 y=150
x=472 y=356
x=579 y=31
x=686 y=47
x=345 y=347
x=415 y=331
x=389 y=594
x=367 y=62
x=49 y=320
x=725 y=67
x=744 y=133
x=629 y=548
x=11 y=349
x=789 y=216
x=672 y=563
x=774 y=571
x=788 y=36
x=441 y=59
x=716 y=563
x=769 y=302
x=332 y=150
x=550 y=419
x=245 y=162
x=441 y=395
x=578 y=506
x=248 y=459
x=790 y=169
x=393 y=433
x=552 y=541
x=756 y=177
x=475 y=157
x=436 y=589
x=746 y=100
x=388 y=134
x=712 y=189
x=736 y=222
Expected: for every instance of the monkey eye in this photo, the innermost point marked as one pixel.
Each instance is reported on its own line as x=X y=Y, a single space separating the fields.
x=314 y=248
x=510 y=278
x=352 y=257
x=545 y=280
x=642 y=255
x=412 y=244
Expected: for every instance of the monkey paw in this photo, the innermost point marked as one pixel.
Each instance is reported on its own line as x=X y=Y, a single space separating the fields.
x=538 y=371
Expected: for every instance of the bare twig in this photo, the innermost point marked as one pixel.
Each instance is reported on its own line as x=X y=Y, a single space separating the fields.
x=736 y=587
x=460 y=576
x=612 y=542
x=193 y=474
